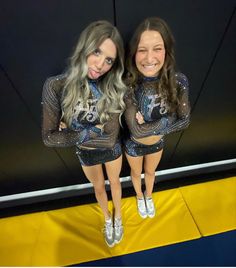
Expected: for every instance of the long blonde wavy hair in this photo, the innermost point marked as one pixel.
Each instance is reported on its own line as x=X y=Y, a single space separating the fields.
x=76 y=87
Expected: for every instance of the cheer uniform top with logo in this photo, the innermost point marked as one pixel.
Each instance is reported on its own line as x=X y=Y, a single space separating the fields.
x=93 y=145
x=154 y=108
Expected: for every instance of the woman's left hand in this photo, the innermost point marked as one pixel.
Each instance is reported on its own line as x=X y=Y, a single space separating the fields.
x=99 y=126
x=62 y=126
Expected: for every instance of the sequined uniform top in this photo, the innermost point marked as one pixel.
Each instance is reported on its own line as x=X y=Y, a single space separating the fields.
x=154 y=108
x=83 y=130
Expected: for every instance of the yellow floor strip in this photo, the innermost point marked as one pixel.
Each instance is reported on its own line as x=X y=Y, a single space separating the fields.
x=213 y=205
x=73 y=235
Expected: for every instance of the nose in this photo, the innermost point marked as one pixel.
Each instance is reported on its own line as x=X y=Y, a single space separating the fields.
x=100 y=63
x=149 y=56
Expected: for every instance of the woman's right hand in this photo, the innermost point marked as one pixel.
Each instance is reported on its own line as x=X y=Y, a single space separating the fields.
x=139 y=118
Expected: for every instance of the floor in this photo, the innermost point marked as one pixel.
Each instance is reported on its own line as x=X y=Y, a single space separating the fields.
x=195 y=225
x=215 y=250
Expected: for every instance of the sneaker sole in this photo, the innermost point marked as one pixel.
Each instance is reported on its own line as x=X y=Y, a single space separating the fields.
x=143 y=217
x=151 y=216
x=110 y=246
x=117 y=242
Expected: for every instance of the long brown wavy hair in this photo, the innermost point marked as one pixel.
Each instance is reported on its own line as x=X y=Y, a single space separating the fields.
x=167 y=80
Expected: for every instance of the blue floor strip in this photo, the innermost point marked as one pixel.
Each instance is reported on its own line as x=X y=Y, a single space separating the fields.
x=215 y=250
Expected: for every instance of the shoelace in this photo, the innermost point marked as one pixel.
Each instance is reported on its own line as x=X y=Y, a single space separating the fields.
x=108 y=229
x=149 y=203
x=118 y=225
x=141 y=204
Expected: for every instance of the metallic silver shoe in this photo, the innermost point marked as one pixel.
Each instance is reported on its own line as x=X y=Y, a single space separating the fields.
x=108 y=232
x=142 y=207
x=151 y=211
x=118 y=230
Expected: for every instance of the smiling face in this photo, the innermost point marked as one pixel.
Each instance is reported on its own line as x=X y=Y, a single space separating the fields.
x=101 y=59
x=150 y=55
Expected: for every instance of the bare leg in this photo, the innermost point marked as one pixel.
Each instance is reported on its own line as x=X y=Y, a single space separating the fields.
x=113 y=169
x=136 y=166
x=95 y=175
x=151 y=162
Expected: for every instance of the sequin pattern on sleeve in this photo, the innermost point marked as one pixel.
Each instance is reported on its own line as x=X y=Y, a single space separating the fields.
x=51 y=112
x=166 y=123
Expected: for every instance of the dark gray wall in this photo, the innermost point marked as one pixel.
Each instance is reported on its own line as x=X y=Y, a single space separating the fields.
x=38 y=36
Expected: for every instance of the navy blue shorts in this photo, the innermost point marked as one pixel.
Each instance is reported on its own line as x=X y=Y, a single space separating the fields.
x=135 y=148
x=98 y=156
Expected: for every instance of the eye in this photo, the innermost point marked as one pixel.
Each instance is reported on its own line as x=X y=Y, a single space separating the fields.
x=141 y=50
x=97 y=52
x=158 y=49
x=109 y=61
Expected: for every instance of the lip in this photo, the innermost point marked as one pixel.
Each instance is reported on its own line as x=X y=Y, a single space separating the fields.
x=149 y=66
x=93 y=74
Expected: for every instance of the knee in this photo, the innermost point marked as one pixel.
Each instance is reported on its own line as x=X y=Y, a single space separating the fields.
x=99 y=188
x=136 y=173
x=115 y=183
x=149 y=173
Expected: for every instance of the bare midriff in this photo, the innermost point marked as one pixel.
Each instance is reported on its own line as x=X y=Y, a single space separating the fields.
x=149 y=140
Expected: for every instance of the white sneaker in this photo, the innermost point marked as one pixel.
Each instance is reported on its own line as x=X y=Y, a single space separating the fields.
x=118 y=230
x=109 y=233
x=142 y=207
x=151 y=211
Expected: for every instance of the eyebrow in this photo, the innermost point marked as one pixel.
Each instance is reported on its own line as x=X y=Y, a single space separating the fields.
x=107 y=56
x=159 y=44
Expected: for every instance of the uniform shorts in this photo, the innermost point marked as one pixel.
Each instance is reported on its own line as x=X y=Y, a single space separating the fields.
x=98 y=156
x=134 y=148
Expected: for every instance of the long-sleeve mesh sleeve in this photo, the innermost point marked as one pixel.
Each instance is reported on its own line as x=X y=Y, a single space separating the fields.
x=182 y=119
x=140 y=130
x=166 y=124
x=109 y=135
x=51 y=112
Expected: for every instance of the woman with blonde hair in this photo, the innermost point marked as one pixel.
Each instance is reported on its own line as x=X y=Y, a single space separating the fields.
x=82 y=108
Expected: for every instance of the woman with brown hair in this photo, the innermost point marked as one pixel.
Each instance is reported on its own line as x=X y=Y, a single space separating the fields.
x=157 y=104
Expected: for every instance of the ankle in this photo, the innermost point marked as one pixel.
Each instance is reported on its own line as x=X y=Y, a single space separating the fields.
x=147 y=195
x=107 y=216
x=140 y=195
x=118 y=216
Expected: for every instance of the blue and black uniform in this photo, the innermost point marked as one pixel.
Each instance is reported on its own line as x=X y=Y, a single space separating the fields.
x=93 y=145
x=146 y=98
